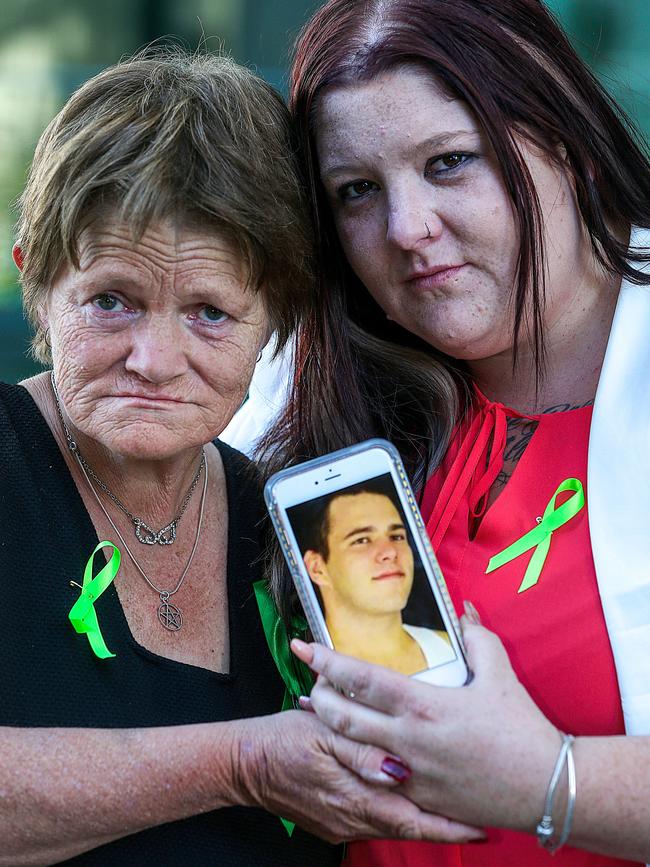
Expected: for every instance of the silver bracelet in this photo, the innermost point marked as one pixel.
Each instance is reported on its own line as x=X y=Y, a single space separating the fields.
x=545 y=830
x=571 y=795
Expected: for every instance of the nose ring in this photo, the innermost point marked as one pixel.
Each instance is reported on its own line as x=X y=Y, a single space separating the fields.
x=428 y=230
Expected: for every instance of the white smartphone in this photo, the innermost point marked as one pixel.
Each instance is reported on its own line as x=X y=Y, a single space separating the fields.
x=362 y=563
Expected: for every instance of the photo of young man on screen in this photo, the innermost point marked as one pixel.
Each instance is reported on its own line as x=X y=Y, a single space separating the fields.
x=356 y=551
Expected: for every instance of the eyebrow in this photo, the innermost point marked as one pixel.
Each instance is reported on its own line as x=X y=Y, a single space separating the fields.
x=111 y=282
x=443 y=140
x=371 y=528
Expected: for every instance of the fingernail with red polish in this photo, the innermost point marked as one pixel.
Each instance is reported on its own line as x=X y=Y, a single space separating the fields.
x=396 y=768
x=471 y=613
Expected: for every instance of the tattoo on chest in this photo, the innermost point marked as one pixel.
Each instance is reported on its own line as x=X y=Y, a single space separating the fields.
x=519 y=433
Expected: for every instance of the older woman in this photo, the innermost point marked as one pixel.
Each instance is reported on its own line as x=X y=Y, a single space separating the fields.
x=162 y=238
x=482 y=210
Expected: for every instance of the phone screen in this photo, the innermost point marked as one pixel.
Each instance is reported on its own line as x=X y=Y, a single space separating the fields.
x=367 y=575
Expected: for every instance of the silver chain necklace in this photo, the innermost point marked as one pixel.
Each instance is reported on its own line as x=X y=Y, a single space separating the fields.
x=143 y=532
x=169 y=615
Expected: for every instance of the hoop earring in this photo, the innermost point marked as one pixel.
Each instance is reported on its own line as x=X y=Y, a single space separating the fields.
x=46 y=338
x=259 y=357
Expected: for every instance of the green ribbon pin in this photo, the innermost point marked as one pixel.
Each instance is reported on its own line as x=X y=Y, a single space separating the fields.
x=82 y=614
x=540 y=536
x=296 y=675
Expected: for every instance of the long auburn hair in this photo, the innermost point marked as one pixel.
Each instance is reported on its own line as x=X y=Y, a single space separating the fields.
x=358 y=375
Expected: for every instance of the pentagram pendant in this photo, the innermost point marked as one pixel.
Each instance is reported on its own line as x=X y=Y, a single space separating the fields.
x=169 y=615
x=148 y=536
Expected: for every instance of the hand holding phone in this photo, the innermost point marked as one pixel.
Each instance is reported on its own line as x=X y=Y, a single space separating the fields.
x=362 y=564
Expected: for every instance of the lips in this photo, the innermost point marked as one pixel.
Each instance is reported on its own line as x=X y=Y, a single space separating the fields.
x=435 y=276
x=384 y=576
x=152 y=397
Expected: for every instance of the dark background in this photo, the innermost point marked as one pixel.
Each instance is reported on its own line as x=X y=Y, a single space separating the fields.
x=48 y=47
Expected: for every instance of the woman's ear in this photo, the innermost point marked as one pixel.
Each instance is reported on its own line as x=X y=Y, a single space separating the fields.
x=17 y=256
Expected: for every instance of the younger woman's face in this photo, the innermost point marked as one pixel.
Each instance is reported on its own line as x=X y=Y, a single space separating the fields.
x=423 y=215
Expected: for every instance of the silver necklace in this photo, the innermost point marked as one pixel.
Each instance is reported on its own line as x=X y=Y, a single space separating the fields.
x=169 y=615
x=143 y=532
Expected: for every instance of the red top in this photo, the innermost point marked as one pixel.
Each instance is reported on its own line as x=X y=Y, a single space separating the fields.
x=554 y=632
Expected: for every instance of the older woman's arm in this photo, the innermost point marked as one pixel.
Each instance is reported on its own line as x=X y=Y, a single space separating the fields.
x=484 y=753
x=65 y=791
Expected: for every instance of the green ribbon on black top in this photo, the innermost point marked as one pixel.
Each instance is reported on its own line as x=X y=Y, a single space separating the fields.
x=82 y=614
x=297 y=677
x=540 y=536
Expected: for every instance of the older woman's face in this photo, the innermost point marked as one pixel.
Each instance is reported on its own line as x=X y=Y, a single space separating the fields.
x=153 y=344
x=423 y=215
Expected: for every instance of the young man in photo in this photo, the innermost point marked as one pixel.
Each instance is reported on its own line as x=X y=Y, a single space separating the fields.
x=360 y=560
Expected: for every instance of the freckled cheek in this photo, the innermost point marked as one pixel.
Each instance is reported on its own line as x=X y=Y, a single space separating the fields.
x=227 y=369
x=78 y=383
x=501 y=223
x=83 y=359
x=226 y=395
x=359 y=238
x=231 y=386
x=77 y=333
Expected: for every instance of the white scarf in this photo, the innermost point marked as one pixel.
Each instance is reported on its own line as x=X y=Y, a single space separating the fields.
x=618 y=491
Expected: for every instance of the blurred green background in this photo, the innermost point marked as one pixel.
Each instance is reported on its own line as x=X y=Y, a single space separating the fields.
x=48 y=47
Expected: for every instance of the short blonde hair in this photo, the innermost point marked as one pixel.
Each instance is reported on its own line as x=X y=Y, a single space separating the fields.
x=198 y=139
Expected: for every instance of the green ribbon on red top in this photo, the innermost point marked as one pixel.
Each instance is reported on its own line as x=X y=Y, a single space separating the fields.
x=82 y=614
x=539 y=537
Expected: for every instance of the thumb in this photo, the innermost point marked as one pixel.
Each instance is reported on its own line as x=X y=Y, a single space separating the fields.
x=486 y=654
x=372 y=764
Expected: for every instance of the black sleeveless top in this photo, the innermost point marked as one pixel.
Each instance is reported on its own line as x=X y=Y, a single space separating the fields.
x=50 y=677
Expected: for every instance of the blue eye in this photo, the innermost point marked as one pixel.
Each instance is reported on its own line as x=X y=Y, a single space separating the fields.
x=211 y=314
x=108 y=303
x=356 y=190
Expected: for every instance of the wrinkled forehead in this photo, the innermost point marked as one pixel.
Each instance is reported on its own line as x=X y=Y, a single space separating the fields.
x=159 y=244
x=176 y=224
